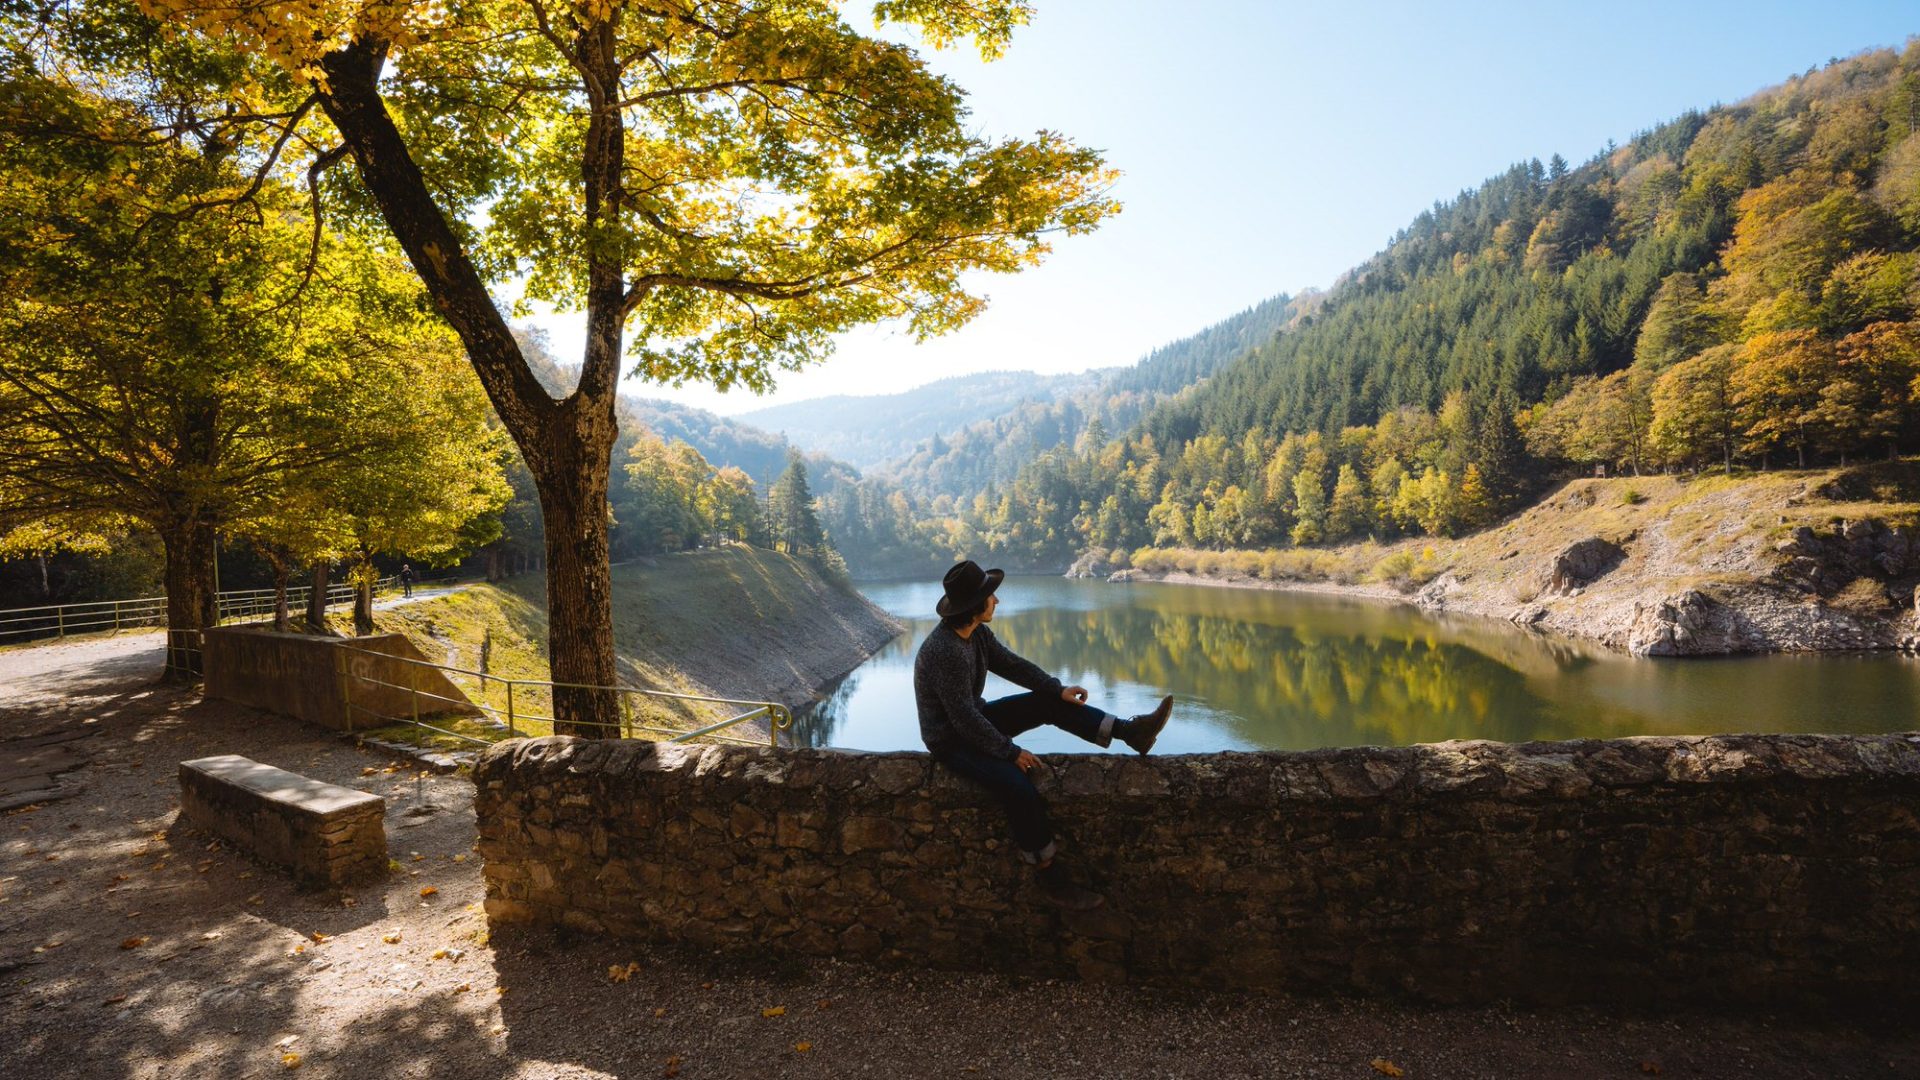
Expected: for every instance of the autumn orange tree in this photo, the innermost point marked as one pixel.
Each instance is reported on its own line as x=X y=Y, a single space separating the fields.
x=726 y=184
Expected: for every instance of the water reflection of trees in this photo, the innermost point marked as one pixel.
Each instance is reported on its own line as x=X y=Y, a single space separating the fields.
x=1293 y=685
x=1292 y=671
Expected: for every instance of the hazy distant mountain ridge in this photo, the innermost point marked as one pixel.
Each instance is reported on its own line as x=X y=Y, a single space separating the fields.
x=871 y=430
x=966 y=462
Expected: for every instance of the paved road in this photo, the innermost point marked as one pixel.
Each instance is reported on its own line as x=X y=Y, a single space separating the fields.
x=69 y=674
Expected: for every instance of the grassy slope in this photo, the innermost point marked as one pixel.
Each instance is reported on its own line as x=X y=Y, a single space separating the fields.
x=733 y=622
x=1681 y=532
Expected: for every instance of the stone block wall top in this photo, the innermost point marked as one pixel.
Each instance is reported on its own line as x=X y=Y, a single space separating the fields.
x=296 y=792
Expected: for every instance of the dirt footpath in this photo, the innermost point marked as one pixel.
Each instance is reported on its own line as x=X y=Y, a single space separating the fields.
x=132 y=948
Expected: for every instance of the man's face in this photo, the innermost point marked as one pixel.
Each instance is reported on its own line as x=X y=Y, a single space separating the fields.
x=992 y=602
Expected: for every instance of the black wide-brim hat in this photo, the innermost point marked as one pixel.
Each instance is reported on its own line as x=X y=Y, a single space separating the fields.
x=966 y=585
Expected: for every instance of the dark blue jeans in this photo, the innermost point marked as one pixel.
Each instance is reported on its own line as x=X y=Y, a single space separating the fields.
x=1026 y=810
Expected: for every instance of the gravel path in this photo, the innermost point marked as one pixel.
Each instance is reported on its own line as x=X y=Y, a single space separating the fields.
x=131 y=947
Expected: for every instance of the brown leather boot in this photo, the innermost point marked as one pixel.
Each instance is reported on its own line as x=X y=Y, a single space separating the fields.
x=1140 y=732
x=1061 y=892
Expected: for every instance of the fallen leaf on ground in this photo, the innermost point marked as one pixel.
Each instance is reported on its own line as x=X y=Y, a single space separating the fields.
x=659 y=1012
x=1651 y=1068
x=777 y=1010
x=133 y=943
x=802 y=1047
x=318 y=938
x=427 y=890
x=463 y=988
x=824 y=1004
x=673 y=1066
x=115 y=999
x=1385 y=1067
x=391 y=939
x=290 y=1060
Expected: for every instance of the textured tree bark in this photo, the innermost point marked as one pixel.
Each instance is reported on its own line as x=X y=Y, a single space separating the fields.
x=280 y=574
x=566 y=444
x=362 y=578
x=573 y=496
x=190 y=595
x=317 y=601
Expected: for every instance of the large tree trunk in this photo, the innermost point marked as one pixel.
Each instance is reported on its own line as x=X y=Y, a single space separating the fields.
x=281 y=571
x=573 y=496
x=363 y=577
x=566 y=444
x=317 y=601
x=191 y=600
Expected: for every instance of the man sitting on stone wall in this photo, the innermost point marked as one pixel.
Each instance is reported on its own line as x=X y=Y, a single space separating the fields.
x=974 y=737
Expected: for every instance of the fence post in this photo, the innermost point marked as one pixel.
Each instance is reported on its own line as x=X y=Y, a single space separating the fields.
x=116 y=616
x=413 y=683
x=60 y=622
x=510 y=732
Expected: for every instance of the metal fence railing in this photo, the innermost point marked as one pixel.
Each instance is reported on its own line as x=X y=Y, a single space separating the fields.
x=516 y=707
x=19 y=625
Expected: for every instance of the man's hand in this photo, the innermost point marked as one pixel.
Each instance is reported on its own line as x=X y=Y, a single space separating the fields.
x=1027 y=763
x=1073 y=695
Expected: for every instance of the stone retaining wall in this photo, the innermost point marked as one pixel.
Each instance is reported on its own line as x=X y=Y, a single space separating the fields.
x=299 y=675
x=1773 y=870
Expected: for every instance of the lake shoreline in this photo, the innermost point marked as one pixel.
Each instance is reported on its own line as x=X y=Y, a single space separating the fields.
x=1801 y=562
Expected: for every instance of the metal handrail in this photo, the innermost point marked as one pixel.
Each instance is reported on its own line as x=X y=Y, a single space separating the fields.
x=112 y=616
x=779 y=717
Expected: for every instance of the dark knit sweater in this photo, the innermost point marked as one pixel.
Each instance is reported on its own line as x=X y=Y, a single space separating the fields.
x=948 y=674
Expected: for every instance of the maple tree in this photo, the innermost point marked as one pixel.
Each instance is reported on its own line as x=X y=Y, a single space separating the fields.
x=727 y=184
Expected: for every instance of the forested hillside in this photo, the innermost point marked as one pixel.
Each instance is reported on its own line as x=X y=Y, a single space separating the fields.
x=961 y=463
x=1735 y=288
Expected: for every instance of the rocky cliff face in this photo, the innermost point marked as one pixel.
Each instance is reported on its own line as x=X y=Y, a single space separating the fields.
x=1665 y=566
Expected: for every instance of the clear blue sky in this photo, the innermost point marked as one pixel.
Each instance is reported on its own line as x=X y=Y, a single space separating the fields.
x=1267 y=147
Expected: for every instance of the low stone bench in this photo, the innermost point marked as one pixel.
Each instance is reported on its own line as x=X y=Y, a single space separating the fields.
x=328 y=835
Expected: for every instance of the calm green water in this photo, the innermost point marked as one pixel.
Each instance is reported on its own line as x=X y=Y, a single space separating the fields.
x=1252 y=669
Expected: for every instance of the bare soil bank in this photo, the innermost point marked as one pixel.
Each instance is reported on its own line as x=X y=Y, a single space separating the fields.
x=1660 y=565
x=731 y=622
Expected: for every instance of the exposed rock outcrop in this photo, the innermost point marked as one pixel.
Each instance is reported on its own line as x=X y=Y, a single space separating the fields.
x=1580 y=564
x=1688 y=623
x=1781 y=562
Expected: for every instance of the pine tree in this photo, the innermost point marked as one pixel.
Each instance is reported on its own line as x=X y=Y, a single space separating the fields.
x=791 y=519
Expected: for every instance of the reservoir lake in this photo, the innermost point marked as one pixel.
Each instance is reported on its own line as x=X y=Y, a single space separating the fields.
x=1256 y=669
